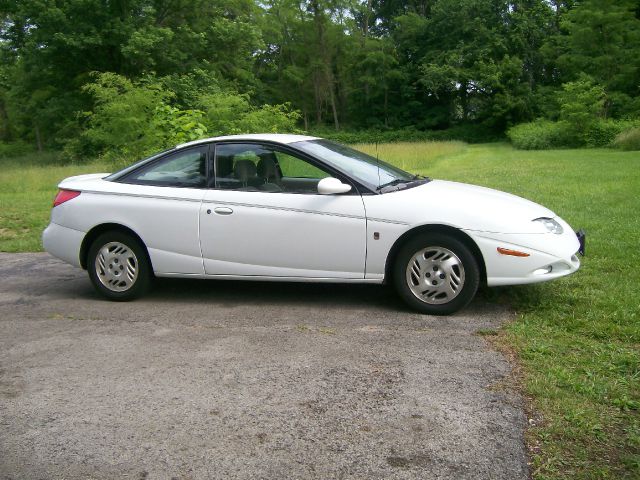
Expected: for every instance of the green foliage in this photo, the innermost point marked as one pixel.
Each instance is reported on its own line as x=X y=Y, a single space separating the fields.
x=581 y=107
x=227 y=114
x=463 y=69
x=602 y=40
x=628 y=140
x=544 y=134
x=538 y=135
x=133 y=119
x=582 y=120
x=604 y=132
x=126 y=118
x=15 y=149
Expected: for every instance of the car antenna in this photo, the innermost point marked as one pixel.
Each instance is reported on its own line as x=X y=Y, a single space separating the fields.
x=377 y=161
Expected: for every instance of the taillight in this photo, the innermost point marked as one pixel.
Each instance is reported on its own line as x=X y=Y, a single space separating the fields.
x=64 y=196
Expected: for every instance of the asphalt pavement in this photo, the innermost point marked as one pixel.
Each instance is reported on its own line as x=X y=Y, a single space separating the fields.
x=222 y=379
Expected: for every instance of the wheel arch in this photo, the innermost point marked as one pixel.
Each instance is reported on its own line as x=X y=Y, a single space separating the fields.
x=98 y=230
x=435 y=228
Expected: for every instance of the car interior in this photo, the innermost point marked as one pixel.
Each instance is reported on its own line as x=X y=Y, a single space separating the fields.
x=256 y=169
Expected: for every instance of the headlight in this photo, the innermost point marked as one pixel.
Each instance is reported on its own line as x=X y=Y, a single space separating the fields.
x=550 y=224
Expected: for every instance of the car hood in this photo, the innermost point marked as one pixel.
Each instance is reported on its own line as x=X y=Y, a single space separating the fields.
x=464 y=206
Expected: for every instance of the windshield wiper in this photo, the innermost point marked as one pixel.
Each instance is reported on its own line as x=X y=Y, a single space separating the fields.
x=400 y=184
x=394 y=182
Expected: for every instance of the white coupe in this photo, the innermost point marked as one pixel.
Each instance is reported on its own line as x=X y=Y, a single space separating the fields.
x=300 y=208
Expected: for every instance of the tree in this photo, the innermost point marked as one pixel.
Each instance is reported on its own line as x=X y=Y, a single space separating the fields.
x=56 y=45
x=603 y=41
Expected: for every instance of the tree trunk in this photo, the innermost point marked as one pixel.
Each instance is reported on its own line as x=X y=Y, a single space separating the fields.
x=386 y=106
x=463 y=99
x=332 y=98
x=326 y=59
x=318 y=100
x=36 y=129
x=365 y=27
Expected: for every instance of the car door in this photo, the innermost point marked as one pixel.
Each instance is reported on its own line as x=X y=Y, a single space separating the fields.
x=264 y=217
x=161 y=202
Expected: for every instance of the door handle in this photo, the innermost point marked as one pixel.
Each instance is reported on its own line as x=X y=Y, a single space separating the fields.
x=223 y=210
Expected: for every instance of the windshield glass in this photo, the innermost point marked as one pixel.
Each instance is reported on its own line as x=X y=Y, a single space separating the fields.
x=365 y=168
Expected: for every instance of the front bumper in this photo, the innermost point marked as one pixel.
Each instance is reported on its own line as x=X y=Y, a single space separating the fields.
x=558 y=259
x=582 y=238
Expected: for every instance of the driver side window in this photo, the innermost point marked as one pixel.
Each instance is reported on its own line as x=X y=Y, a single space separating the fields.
x=262 y=168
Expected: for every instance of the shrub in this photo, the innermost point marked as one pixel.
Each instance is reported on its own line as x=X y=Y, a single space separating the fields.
x=540 y=135
x=15 y=149
x=581 y=103
x=228 y=113
x=603 y=133
x=123 y=122
x=544 y=134
x=628 y=140
x=468 y=133
x=133 y=119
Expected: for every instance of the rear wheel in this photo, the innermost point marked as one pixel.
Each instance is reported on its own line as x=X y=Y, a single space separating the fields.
x=118 y=266
x=436 y=274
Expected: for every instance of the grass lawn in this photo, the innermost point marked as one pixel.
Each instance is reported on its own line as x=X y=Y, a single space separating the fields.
x=578 y=338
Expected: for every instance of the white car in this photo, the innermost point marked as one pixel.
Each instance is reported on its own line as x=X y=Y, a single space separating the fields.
x=300 y=208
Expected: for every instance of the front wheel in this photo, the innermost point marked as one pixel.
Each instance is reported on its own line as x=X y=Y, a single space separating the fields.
x=118 y=266
x=436 y=274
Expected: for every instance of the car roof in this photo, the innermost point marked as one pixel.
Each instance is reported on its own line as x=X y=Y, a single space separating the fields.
x=283 y=138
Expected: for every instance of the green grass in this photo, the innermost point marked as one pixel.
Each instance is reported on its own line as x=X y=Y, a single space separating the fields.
x=27 y=187
x=578 y=338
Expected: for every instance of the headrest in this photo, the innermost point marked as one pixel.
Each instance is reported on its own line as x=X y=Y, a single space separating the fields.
x=243 y=170
x=267 y=166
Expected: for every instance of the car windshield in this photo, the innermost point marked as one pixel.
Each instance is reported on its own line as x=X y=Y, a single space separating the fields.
x=373 y=173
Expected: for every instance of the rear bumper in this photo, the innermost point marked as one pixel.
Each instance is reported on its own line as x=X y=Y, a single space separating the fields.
x=63 y=242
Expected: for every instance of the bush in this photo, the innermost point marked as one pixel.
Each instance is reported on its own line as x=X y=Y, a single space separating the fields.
x=133 y=119
x=604 y=132
x=628 y=140
x=228 y=113
x=468 y=133
x=123 y=123
x=544 y=134
x=15 y=149
x=540 y=135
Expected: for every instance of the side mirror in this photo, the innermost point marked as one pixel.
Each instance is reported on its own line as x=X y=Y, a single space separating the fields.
x=330 y=185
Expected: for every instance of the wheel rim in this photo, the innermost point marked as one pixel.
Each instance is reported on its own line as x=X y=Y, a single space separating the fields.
x=435 y=275
x=116 y=266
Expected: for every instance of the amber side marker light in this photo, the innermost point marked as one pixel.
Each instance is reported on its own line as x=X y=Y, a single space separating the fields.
x=513 y=253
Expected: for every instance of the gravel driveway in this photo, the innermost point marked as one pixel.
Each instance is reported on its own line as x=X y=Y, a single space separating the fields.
x=208 y=379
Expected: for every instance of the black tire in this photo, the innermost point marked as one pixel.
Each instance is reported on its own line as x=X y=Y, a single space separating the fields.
x=444 y=293
x=128 y=254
